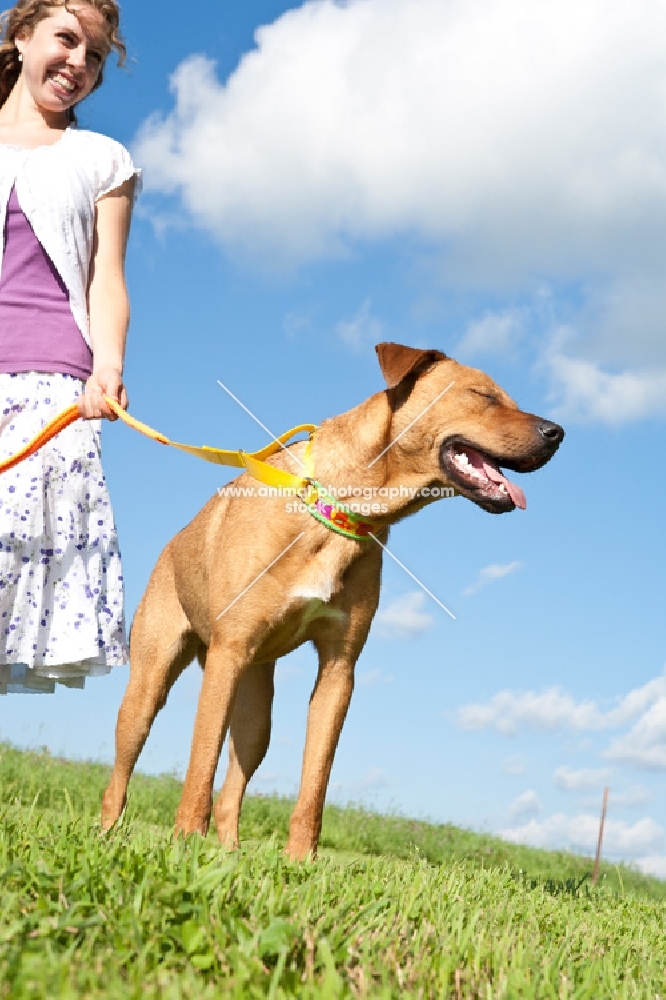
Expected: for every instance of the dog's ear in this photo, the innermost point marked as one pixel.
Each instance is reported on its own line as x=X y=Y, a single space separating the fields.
x=397 y=361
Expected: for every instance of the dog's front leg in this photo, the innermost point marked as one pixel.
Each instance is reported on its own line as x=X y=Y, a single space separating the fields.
x=222 y=672
x=339 y=642
x=328 y=709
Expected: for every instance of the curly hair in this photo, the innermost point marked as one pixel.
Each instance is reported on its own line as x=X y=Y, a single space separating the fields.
x=26 y=14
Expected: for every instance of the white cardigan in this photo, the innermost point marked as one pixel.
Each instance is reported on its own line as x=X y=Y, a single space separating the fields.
x=57 y=187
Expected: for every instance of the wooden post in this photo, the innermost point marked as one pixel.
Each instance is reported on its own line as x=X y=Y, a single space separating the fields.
x=595 y=874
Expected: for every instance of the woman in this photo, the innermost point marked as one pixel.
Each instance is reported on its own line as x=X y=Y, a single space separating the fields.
x=65 y=204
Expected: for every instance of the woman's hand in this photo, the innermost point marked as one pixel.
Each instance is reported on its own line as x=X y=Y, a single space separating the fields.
x=102 y=382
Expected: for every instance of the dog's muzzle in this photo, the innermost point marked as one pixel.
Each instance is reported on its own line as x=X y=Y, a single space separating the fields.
x=477 y=474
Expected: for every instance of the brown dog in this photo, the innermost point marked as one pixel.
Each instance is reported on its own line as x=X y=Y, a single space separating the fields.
x=249 y=580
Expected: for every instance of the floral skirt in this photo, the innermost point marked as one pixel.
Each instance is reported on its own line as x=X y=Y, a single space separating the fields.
x=61 y=583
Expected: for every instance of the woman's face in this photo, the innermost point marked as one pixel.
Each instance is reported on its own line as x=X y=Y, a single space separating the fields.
x=63 y=56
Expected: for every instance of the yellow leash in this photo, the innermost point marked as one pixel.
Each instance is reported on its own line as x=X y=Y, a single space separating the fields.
x=254 y=462
x=325 y=508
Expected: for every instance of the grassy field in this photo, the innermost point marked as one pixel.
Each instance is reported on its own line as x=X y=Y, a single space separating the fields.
x=392 y=908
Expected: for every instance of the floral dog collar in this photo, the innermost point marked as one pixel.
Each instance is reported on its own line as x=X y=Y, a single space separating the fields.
x=335 y=515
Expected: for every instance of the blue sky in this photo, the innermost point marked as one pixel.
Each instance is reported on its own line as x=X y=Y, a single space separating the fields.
x=487 y=177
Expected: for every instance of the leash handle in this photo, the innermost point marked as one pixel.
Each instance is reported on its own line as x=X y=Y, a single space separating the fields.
x=137 y=425
x=58 y=424
x=47 y=432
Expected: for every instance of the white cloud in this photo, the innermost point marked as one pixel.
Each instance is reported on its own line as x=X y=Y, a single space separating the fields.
x=635 y=302
x=296 y=323
x=362 y=330
x=630 y=798
x=644 y=746
x=582 y=391
x=518 y=140
x=654 y=864
x=285 y=671
x=494 y=333
x=373 y=780
x=584 y=361
x=507 y=713
x=581 y=832
x=370 y=678
x=404 y=617
x=528 y=134
x=264 y=777
x=524 y=807
x=513 y=765
x=491 y=573
x=584 y=780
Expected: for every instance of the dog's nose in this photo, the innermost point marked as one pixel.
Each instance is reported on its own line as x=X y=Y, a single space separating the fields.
x=551 y=432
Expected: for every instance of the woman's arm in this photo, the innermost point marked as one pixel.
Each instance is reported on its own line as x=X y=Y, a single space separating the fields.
x=108 y=303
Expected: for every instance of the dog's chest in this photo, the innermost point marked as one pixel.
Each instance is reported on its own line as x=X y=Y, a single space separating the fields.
x=320 y=577
x=309 y=603
x=315 y=590
x=298 y=622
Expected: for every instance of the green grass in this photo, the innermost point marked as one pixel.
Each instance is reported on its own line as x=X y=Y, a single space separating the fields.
x=393 y=908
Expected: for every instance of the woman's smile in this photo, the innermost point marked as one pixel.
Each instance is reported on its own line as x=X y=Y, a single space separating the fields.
x=64 y=84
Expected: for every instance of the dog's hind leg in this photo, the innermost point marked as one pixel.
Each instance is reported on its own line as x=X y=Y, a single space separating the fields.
x=162 y=644
x=225 y=665
x=249 y=736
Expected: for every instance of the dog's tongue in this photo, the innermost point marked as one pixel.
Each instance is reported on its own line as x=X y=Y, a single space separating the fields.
x=514 y=491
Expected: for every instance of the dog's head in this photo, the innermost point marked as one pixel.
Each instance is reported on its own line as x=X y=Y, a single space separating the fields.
x=471 y=427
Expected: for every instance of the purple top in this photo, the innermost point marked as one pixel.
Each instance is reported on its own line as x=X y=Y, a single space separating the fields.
x=38 y=332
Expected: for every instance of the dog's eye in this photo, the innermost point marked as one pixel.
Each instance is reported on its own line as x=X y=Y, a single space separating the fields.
x=490 y=396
